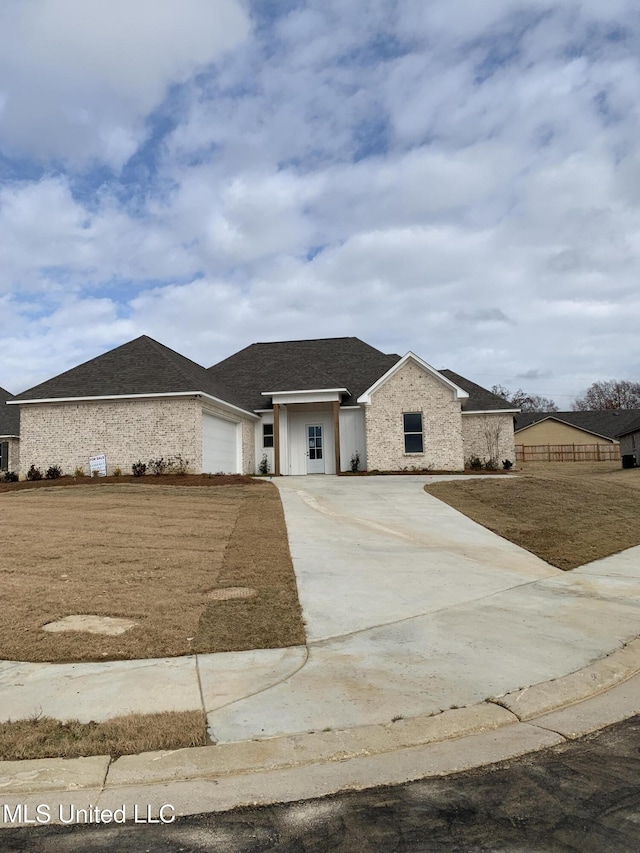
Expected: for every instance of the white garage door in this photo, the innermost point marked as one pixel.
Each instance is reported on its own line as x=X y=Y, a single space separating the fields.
x=219 y=445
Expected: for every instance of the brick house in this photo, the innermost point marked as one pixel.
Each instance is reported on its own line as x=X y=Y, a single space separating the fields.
x=307 y=406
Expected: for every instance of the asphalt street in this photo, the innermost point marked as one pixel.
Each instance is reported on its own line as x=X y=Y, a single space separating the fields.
x=581 y=796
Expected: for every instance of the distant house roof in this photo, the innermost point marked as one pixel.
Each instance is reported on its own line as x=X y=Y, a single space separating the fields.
x=302 y=365
x=140 y=367
x=607 y=423
x=634 y=426
x=480 y=400
x=9 y=415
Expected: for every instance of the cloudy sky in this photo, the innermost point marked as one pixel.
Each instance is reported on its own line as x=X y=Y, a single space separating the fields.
x=456 y=178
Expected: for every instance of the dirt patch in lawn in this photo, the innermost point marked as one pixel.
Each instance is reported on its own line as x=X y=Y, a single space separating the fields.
x=42 y=737
x=568 y=513
x=150 y=553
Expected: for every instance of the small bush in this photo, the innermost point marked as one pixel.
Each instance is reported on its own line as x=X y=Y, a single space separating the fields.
x=264 y=466
x=10 y=477
x=507 y=464
x=117 y=472
x=491 y=465
x=181 y=466
x=95 y=473
x=53 y=472
x=34 y=473
x=158 y=466
x=79 y=472
x=139 y=469
x=475 y=463
x=355 y=462
x=177 y=465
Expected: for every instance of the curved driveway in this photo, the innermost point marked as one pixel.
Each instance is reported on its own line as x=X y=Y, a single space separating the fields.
x=412 y=608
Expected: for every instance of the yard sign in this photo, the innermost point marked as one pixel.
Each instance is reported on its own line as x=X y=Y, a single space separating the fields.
x=98 y=465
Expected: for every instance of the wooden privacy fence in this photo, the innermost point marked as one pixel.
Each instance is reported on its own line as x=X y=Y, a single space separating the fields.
x=567 y=452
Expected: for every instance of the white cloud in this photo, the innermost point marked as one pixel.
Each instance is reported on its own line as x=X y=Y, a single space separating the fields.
x=78 y=78
x=463 y=176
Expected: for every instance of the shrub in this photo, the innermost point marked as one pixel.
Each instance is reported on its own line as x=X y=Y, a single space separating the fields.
x=475 y=463
x=117 y=472
x=180 y=465
x=139 y=469
x=34 y=473
x=507 y=464
x=158 y=466
x=491 y=465
x=355 y=462
x=53 y=472
x=79 y=472
x=264 y=466
x=10 y=477
x=177 y=465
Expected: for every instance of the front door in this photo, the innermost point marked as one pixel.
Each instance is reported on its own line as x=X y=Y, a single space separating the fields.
x=315 y=449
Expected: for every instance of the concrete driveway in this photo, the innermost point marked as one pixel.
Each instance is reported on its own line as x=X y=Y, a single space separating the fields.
x=411 y=608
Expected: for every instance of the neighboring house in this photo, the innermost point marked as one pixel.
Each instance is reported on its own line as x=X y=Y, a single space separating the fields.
x=599 y=427
x=9 y=433
x=308 y=406
x=629 y=438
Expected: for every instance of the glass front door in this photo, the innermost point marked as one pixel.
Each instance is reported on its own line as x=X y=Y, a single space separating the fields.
x=315 y=449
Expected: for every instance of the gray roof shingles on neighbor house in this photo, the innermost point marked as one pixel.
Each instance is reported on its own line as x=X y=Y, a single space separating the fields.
x=9 y=415
x=608 y=423
x=141 y=366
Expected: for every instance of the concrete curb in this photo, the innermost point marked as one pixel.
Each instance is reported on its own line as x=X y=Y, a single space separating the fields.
x=297 y=767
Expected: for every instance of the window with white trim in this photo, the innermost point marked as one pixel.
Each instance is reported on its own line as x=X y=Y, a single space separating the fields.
x=413 y=441
x=4 y=455
x=267 y=435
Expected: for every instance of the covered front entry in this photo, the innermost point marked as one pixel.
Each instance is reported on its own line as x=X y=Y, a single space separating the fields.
x=309 y=447
x=306 y=431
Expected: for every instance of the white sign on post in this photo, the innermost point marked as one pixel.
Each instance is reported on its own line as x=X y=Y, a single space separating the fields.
x=98 y=465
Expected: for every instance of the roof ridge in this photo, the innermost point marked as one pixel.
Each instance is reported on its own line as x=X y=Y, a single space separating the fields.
x=163 y=350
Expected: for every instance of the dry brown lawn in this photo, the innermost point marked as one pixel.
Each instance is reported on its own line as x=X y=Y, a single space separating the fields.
x=42 y=737
x=566 y=513
x=150 y=552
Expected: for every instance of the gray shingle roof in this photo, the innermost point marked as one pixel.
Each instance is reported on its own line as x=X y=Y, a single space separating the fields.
x=633 y=426
x=480 y=400
x=9 y=415
x=141 y=366
x=607 y=423
x=323 y=363
x=302 y=365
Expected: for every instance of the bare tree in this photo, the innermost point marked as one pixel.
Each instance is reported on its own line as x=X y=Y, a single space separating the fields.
x=525 y=402
x=492 y=427
x=611 y=394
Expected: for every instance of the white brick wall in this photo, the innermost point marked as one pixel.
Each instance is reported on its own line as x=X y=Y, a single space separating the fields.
x=14 y=455
x=412 y=389
x=67 y=434
x=487 y=435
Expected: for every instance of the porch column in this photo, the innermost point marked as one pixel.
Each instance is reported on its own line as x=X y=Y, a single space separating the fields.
x=336 y=433
x=276 y=439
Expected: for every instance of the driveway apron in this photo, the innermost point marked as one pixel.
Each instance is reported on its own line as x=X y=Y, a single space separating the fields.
x=411 y=608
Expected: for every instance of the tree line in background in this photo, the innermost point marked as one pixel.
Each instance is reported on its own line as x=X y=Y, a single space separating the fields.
x=610 y=394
